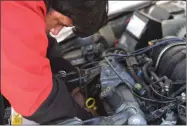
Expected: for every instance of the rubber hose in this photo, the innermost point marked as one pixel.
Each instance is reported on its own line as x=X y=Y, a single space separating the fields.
x=169 y=66
x=144 y=71
x=169 y=53
x=179 y=71
x=170 y=60
x=156 y=51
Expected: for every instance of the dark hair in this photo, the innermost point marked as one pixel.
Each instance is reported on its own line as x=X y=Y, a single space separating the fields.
x=88 y=16
x=48 y=4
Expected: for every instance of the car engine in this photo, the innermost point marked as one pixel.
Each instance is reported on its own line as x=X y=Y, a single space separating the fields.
x=140 y=78
x=146 y=86
x=133 y=72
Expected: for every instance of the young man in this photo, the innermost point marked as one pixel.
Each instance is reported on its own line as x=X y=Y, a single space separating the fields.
x=26 y=78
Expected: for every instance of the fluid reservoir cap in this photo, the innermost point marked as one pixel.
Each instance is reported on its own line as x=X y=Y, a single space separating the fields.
x=91 y=104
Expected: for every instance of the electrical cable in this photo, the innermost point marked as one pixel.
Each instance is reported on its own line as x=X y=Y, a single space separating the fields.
x=155 y=101
x=179 y=82
x=92 y=68
x=88 y=64
x=160 y=79
x=160 y=94
x=70 y=73
x=125 y=81
x=112 y=49
x=137 y=52
x=80 y=80
x=76 y=79
x=145 y=49
x=159 y=42
x=85 y=86
x=128 y=85
x=156 y=45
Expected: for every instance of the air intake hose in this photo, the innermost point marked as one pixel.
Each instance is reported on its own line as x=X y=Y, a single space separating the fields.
x=170 y=60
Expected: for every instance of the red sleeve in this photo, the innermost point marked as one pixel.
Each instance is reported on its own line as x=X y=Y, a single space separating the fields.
x=26 y=78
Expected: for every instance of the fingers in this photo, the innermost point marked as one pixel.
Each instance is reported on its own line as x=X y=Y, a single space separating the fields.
x=56 y=30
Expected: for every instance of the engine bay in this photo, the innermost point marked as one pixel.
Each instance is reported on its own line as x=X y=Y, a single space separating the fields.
x=136 y=75
x=146 y=86
x=133 y=71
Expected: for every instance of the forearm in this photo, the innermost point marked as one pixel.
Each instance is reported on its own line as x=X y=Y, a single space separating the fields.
x=59 y=105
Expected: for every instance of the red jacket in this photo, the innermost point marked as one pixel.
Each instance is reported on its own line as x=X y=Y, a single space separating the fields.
x=26 y=75
x=26 y=78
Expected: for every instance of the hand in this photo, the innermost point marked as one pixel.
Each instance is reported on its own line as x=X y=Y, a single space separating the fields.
x=78 y=97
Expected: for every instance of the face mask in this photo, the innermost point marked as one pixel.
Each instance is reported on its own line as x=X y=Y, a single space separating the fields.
x=88 y=16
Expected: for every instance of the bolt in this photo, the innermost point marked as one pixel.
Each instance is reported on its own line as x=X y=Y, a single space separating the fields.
x=108 y=72
x=162 y=90
x=183 y=95
x=166 y=88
